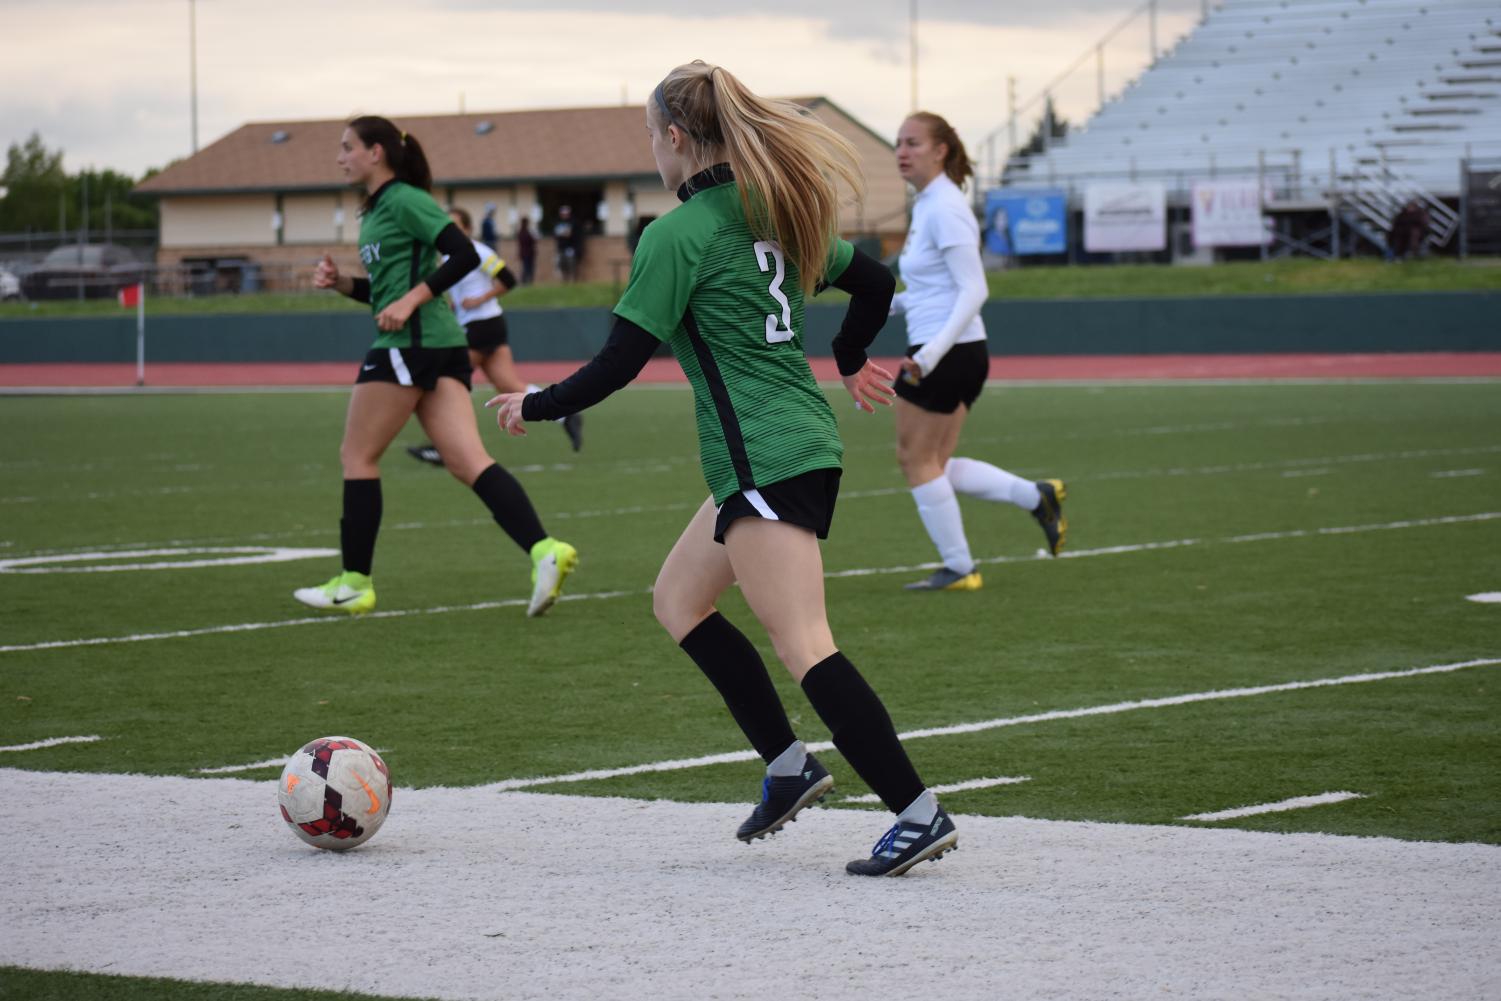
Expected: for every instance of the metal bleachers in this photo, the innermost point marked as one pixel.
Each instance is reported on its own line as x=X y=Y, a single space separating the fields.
x=1314 y=96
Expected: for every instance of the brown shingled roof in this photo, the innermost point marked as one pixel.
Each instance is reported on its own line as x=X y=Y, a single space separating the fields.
x=520 y=146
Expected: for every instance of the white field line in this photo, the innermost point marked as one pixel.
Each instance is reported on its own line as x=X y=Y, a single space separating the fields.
x=644 y=509
x=995 y=724
x=228 y=556
x=1485 y=598
x=252 y=766
x=1296 y=803
x=1004 y=780
x=1450 y=474
x=832 y=575
x=37 y=745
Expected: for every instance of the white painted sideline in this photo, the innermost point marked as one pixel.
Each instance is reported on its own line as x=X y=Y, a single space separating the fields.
x=37 y=745
x=994 y=724
x=1295 y=803
x=832 y=575
x=468 y=895
x=1004 y=780
x=228 y=556
x=1485 y=597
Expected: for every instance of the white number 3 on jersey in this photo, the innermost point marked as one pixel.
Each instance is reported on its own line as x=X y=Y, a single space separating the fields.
x=778 y=329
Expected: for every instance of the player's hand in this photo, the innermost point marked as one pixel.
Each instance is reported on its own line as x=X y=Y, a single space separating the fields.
x=396 y=315
x=326 y=274
x=474 y=301
x=508 y=413
x=911 y=371
x=869 y=385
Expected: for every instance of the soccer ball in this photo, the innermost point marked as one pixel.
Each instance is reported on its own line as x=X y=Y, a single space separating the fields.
x=335 y=793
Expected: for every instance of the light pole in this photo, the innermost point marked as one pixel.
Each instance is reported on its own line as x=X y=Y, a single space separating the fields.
x=912 y=34
x=193 y=67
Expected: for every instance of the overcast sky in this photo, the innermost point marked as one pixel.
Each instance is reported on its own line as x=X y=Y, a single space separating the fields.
x=107 y=81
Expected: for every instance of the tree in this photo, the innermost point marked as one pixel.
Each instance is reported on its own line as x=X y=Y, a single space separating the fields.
x=33 y=179
x=41 y=197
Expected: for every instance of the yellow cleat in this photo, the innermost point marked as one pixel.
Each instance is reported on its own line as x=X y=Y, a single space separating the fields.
x=944 y=579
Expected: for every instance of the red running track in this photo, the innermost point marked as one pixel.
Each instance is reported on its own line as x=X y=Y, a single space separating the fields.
x=1025 y=368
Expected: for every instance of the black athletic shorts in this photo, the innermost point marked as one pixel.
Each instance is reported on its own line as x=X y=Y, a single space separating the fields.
x=420 y=367
x=959 y=377
x=805 y=500
x=488 y=334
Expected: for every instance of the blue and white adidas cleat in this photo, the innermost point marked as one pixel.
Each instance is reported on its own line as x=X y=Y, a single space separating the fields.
x=907 y=844
x=783 y=796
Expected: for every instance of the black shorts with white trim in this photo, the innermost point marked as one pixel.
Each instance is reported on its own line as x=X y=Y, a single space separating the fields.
x=420 y=367
x=959 y=377
x=806 y=500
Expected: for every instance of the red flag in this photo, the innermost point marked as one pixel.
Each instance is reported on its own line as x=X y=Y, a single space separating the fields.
x=130 y=296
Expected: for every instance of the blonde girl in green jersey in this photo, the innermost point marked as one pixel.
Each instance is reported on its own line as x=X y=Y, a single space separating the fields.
x=722 y=279
x=418 y=365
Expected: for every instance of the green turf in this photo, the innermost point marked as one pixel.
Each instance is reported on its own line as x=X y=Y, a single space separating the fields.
x=36 y=985
x=466 y=697
x=469 y=697
x=1287 y=277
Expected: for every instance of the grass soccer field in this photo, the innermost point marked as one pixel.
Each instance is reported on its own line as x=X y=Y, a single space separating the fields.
x=1270 y=598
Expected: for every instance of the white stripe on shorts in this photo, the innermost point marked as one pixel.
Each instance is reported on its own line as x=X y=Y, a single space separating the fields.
x=759 y=503
x=400 y=366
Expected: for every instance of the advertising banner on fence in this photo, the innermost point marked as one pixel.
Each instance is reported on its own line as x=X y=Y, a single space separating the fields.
x=1026 y=222
x=1227 y=214
x=1124 y=216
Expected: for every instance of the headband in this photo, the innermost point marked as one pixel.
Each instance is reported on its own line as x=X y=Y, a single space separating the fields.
x=673 y=119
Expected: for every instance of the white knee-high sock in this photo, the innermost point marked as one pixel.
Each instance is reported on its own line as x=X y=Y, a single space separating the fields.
x=939 y=510
x=974 y=478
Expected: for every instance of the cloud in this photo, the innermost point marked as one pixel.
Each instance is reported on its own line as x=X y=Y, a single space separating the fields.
x=124 y=100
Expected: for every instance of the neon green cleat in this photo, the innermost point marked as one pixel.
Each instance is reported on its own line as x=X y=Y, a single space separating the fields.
x=348 y=592
x=552 y=562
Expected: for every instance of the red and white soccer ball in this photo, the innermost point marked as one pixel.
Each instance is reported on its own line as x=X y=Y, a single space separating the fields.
x=335 y=793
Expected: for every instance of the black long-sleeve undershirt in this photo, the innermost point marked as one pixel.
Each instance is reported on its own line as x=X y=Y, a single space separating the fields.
x=361 y=290
x=624 y=355
x=871 y=286
x=462 y=259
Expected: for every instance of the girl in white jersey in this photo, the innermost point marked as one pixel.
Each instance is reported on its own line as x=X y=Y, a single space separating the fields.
x=476 y=305
x=947 y=361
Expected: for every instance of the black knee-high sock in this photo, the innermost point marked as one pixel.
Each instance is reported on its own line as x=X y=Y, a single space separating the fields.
x=731 y=662
x=862 y=730
x=510 y=506
x=360 y=524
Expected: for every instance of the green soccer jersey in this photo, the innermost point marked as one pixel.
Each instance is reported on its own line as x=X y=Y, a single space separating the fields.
x=396 y=244
x=731 y=308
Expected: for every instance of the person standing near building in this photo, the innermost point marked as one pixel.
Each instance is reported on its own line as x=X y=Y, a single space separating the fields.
x=722 y=279
x=487 y=234
x=476 y=305
x=947 y=360
x=526 y=249
x=419 y=364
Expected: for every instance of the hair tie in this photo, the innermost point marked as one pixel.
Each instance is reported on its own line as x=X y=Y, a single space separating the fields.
x=403 y=138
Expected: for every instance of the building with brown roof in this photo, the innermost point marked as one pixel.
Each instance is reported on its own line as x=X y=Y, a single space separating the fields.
x=271 y=192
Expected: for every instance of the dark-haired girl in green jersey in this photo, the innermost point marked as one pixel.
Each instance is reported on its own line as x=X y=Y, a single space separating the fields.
x=419 y=365
x=722 y=279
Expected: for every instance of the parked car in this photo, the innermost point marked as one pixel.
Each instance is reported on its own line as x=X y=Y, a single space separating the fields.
x=10 y=286
x=100 y=269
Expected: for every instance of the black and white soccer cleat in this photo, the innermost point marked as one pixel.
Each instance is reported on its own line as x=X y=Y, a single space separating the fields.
x=783 y=796
x=907 y=844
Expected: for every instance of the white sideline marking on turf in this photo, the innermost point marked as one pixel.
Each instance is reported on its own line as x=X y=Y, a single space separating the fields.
x=37 y=745
x=844 y=495
x=1452 y=473
x=1485 y=597
x=1004 y=780
x=1296 y=803
x=227 y=769
x=247 y=554
x=833 y=574
x=995 y=724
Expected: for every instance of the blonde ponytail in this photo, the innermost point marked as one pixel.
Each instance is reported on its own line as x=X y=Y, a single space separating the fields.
x=788 y=164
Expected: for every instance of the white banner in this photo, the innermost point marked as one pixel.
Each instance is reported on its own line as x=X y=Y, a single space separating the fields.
x=1227 y=214
x=1121 y=216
